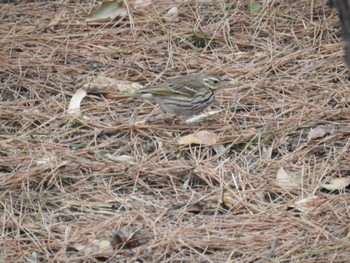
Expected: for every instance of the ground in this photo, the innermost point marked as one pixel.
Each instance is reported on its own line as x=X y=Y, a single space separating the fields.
x=114 y=182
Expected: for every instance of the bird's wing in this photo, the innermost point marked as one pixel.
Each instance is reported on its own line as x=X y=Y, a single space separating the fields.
x=186 y=86
x=184 y=90
x=170 y=90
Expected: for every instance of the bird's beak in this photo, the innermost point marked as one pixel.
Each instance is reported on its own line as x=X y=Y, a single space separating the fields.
x=230 y=83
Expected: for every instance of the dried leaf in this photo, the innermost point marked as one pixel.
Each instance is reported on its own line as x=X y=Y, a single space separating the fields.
x=74 y=104
x=319 y=132
x=122 y=159
x=103 y=84
x=201 y=137
x=142 y=3
x=120 y=50
x=95 y=246
x=286 y=180
x=172 y=12
x=108 y=10
x=118 y=159
x=128 y=237
x=199 y=117
x=307 y=204
x=337 y=183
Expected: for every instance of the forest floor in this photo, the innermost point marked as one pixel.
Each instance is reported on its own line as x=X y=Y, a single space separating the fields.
x=117 y=181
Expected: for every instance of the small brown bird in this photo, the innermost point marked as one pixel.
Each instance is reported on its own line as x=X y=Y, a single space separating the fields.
x=182 y=96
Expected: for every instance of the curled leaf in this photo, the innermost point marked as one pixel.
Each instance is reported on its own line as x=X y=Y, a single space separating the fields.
x=95 y=246
x=108 y=10
x=118 y=159
x=287 y=180
x=307 y=204
x=74 y=104
x=172 y=11
x=201 y=137
x=199 y=117
x=142 y=3
x=337 y=183
x=172 y=14
x=319 y=132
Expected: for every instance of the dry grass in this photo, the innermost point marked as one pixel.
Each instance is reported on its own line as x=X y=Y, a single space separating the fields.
x=194 y=203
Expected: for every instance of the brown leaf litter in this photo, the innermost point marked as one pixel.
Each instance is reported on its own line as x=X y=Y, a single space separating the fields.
x=69 y=183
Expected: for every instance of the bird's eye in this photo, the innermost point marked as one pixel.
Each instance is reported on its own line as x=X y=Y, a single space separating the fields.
x=211 y=80
x=214 y=80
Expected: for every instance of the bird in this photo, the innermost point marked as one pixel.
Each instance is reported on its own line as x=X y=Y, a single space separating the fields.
x=185 y=96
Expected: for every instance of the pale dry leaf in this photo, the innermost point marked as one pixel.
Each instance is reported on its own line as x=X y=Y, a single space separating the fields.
x=319 y=132
x=122 y=159
x=142 y=3
x=201 y=137
x=95 y=246
x=206 y=137
x=108 y=10
x=173 y=11
x=103 y=84
x=172 y=14
x=189 y=139
x=307 y=204
x=74 y=104
x=337 y=183
x=199 y=117
x=287 y=180
x=118 y=159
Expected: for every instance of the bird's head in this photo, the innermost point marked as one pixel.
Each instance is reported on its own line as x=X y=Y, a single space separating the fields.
x=212 y=81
